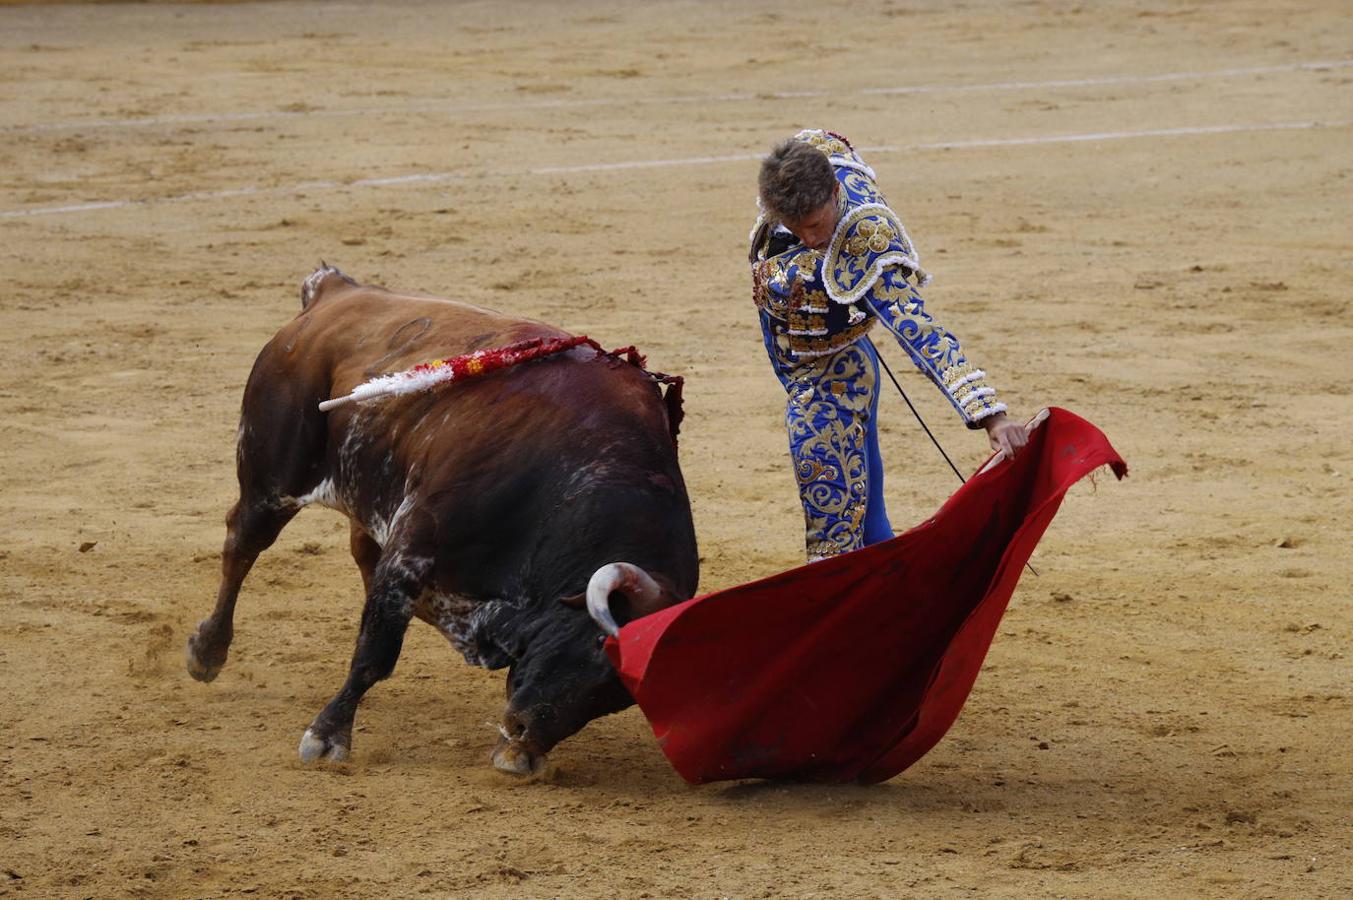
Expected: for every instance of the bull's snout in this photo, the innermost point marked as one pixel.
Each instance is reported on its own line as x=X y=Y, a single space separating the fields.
x=515 y=753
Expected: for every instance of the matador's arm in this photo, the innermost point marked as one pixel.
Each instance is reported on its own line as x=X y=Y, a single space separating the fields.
x=933 y=349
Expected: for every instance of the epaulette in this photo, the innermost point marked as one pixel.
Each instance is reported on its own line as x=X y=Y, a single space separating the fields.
x=868 y=239
x=837 y=149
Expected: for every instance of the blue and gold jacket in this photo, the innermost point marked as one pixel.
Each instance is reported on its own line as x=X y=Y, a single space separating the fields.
x=815 y=302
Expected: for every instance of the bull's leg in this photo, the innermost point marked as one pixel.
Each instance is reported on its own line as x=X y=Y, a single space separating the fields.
x=396 y=585
x=281 y=441
x=365 y=552
x=251 y=527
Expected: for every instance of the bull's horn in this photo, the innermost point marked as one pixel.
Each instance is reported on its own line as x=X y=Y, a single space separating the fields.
x=634 y=582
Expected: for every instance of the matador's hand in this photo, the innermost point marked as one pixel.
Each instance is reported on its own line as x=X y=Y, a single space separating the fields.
x=1007 y=438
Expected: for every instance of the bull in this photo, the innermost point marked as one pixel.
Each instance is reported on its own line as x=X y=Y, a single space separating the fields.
x=495 y=509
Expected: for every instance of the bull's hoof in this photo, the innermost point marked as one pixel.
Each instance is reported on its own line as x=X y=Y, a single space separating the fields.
x=199 y=668
x=513 y=758
x=314 y=747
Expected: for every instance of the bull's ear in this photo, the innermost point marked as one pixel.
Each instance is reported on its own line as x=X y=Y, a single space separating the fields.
x=577 y=601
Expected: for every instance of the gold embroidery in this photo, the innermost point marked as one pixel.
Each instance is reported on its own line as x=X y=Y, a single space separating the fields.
x=806 y=323
x=808 y=345
x=895 y=290
x=871 y=234
x=826 y=143
x=805 y=259
x=958 y=373
x=786 y=286
x=861 y=186
x=851 y=265
x=829 y=401
x=810 y=470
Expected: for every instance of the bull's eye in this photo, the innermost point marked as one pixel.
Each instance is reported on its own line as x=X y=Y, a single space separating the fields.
x=601 y=640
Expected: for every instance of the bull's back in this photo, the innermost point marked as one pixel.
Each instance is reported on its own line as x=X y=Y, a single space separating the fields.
x=526 y=480
x=351 y=333
x=346 y=334
x=575 y=416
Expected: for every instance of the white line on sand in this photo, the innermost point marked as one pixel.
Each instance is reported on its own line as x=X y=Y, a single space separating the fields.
x=434 y=177
x=580 y=103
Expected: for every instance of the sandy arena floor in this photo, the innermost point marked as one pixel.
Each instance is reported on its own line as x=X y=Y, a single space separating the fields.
x=1136 y=209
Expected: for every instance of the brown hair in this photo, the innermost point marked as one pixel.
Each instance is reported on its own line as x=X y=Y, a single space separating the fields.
x=796 y=179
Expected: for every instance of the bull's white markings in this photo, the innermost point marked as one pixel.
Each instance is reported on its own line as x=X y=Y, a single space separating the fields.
x=312 y=748
x=312 y=187
x=311 y=283
x=409 y=569
x=731 y=97
x=406 y=570
x=240 y=435
x=378 y=528
x=454 y=616
x=324 y=493
x=388 y=528
x=351 y=446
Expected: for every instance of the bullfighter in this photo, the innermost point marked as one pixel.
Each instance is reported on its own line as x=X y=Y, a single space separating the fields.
x=830 y=260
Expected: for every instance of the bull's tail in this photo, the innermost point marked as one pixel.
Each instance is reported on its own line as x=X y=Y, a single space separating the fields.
x=318 y=280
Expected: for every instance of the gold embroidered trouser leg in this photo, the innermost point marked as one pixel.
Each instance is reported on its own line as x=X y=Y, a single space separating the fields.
x=830 y=418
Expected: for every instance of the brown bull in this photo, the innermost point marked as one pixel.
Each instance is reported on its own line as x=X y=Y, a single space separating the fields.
x=485 y=508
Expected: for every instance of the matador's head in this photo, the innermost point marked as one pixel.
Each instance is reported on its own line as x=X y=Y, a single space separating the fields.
x=799 y=190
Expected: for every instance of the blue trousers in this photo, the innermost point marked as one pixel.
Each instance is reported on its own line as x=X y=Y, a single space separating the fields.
x=832 y=419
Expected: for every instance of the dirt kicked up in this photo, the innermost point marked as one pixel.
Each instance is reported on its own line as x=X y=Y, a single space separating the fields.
x=1134 y=210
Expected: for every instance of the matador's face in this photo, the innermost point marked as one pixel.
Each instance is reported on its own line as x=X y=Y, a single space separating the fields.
x=816 y=228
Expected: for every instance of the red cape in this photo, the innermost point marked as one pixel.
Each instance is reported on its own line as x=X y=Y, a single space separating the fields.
x=854 y=667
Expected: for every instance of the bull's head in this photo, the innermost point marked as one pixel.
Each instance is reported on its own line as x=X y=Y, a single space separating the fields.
x=546 y=706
